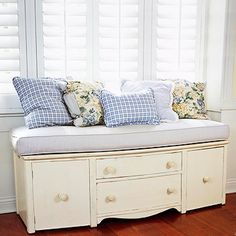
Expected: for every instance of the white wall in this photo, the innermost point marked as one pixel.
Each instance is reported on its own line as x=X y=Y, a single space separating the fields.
x=7 y=192
x=234 y=69
x=228 y=117
x=220 y=74
x=228 y=106
x=232 y=48
x=215 y=52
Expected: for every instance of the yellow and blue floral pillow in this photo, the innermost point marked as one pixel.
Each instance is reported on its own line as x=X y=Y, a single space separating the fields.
x=82 y=100
x=188 y=101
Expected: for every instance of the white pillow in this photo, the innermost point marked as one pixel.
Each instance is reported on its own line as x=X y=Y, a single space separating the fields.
x=163 y=95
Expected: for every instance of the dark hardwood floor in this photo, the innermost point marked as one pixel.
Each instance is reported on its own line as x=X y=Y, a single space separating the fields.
x=212 y=221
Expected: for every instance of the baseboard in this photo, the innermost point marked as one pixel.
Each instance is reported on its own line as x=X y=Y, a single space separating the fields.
x=7 y=204
x=231 y=185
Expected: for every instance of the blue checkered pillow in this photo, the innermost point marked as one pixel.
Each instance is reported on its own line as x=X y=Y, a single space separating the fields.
x=129 y=109
x=42 y=101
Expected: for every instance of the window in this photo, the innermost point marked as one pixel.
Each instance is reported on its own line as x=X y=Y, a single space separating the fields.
x=104 y=40
x=176 y=38
x=9 y=43
x=119 y=39
x=12 y=52
x=63 y=38
x=90 y=40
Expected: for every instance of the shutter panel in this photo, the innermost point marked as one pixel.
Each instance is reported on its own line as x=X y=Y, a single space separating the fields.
x=175 y=39
x=65 y=38
x=9 y=41
x=118 y=39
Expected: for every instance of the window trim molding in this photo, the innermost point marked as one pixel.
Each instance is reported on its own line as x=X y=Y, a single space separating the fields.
x=30 y=28
x=202 y=41
x=39 y=38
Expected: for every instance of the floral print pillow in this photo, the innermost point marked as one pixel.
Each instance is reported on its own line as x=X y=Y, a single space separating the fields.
x=188 y=100
x=82 y=99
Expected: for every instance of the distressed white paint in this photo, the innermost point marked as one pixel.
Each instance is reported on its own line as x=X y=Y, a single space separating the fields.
x=63 y=199
x=129 y=166
x=204 y=174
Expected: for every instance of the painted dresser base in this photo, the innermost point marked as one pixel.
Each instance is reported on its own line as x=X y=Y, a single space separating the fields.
x=70 y=190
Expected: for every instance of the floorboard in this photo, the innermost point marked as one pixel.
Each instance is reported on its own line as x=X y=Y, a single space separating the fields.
x=210 y=221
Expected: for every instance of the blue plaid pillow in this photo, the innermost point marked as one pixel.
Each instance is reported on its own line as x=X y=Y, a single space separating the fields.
x=129 y=109
x=42 y=101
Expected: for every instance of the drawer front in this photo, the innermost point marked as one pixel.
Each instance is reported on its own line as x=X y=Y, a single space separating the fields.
x=204 y=177
x=61 y=194
x=138 y=165
x=138 y=194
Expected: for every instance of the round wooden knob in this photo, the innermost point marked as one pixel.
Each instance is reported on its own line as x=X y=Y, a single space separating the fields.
x=205 y=179
x=170 y=164
x=170 y=191
x=110 y=198
x=109 y=170
x=63 y=197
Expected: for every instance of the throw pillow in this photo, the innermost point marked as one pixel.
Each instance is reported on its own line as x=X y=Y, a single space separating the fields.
x=129 y=109
x=42 y=101
x=162 y=93
x=189 y=101
x=82 y=99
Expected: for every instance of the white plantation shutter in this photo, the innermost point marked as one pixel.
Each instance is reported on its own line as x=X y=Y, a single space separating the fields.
x=119 y=40
x=64 y=41
x=88 y=39
x=9 y=41
x=106 y=39
x=175 y=38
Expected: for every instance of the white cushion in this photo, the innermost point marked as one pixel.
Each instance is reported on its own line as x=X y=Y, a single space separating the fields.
x=67 y=139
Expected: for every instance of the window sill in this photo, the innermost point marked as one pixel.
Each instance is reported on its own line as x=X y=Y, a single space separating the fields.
x=10 y=105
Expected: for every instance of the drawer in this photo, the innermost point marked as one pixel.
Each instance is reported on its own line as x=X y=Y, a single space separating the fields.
x=61 y=194
x=138 y=165
x=205 y=177
x=138 y=194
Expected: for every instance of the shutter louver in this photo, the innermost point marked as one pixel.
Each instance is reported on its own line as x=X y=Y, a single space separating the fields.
x=9 y=41
x=175 y=38
x=118 y=39
x=65 y=38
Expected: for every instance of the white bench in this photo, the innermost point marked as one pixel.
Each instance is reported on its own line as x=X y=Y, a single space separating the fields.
x=68 y=176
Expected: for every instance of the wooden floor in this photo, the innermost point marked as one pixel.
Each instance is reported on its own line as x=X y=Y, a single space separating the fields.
x=212 y=221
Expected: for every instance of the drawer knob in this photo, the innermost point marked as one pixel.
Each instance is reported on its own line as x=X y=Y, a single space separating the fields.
x=110 y=198
x=170 y=191
x=170 y=164
x=205 y=179
x=109 y=170
x=63 y=197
